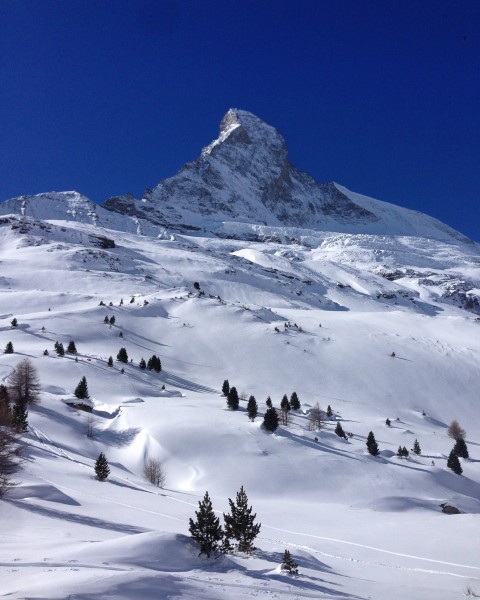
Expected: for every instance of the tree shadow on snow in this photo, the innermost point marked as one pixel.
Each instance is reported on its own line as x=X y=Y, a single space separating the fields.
x=78 y=519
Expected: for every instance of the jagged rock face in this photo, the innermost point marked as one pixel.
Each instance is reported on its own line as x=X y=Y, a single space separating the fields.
x=244 y=175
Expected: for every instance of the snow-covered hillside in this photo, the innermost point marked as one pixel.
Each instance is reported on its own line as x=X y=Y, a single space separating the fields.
x=277 y=309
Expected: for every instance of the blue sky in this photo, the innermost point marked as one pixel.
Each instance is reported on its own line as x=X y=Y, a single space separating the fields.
x=110 y=96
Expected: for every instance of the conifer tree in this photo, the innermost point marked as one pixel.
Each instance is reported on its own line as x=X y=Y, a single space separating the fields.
x=122 y=355
x=102 y=470
x=233 y=399
x=461 y=449
x=14 y=323
x=206 y=529
x=81 y=391
x=155 y=363
x=23 y=383
x=110 y=361
x=453 y=463
x=20 y=416
x=60 y=350
x=339 y=430
x=112 y=320
x=270 y=419
x=268 y=402
x=9 y=348
x=142 y=364
x=288 y=564
x=285 y=404
x=71 y=348
x=329 y=411
x=372 y=445
x=225 y=387
x=252 y=408
x=416 y=448
x=294 y=401
x=388 y=422
x=105 y=320
x=240 y=523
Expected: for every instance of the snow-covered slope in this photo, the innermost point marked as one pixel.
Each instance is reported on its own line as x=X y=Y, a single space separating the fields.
x=319 y=313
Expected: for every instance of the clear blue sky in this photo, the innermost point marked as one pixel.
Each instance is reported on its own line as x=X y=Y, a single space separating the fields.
x=110 y=96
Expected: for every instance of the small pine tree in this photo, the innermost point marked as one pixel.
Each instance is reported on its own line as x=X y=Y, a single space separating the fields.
x=453 y=463
x=233 y=399
x=102 y=470
x=252 y=408
x=20 y=416
x=132 y=300
x=339 y=430
x=110 y=361
x=294 y=401
x=45 y=352
x=81 y=391
x=225 y=387
x=14 y=323
x=9 y=348
x=60 y=350
x=372 y=445
x=285 y=404
x=105 y=320
x=155 y=364
x=268 y=402
x=122 y=355
x=461 y=449
x=388 y=422
x=240 y=523
x=416 y=448
x=288 y=564
x=71 y=348
x=206 y=529
x=112 y=320
x=329 y=411
x=270 y=420
x=142 y=364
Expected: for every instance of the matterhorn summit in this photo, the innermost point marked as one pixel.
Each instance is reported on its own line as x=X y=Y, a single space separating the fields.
x=245 y=176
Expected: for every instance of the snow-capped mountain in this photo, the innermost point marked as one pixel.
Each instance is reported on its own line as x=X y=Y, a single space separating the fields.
x=225 y=272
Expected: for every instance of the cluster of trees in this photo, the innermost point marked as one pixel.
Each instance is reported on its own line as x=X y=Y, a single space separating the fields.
x=109 y=321
x=60 y=350
x=272 y=416
x=402 y=452
x=238 y=533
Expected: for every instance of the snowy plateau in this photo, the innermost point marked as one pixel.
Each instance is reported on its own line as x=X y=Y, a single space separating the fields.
x=241 y=267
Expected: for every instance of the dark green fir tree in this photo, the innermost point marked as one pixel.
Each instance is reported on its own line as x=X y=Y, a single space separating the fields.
x=81 y=391
x=206 y=529
x=233 y=399
x=461 y=449
x=288 y=564
x=225 y=387
x=270 y=420
x=240 y=523
x=9 y=348
x=372 y=445
x=294 y=401
x=102 y=470
x=252 y=408
x=454 y=463
x=122 y=355
x=416 y=448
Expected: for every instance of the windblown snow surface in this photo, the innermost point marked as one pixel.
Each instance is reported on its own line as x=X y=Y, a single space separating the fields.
x=313 y=315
